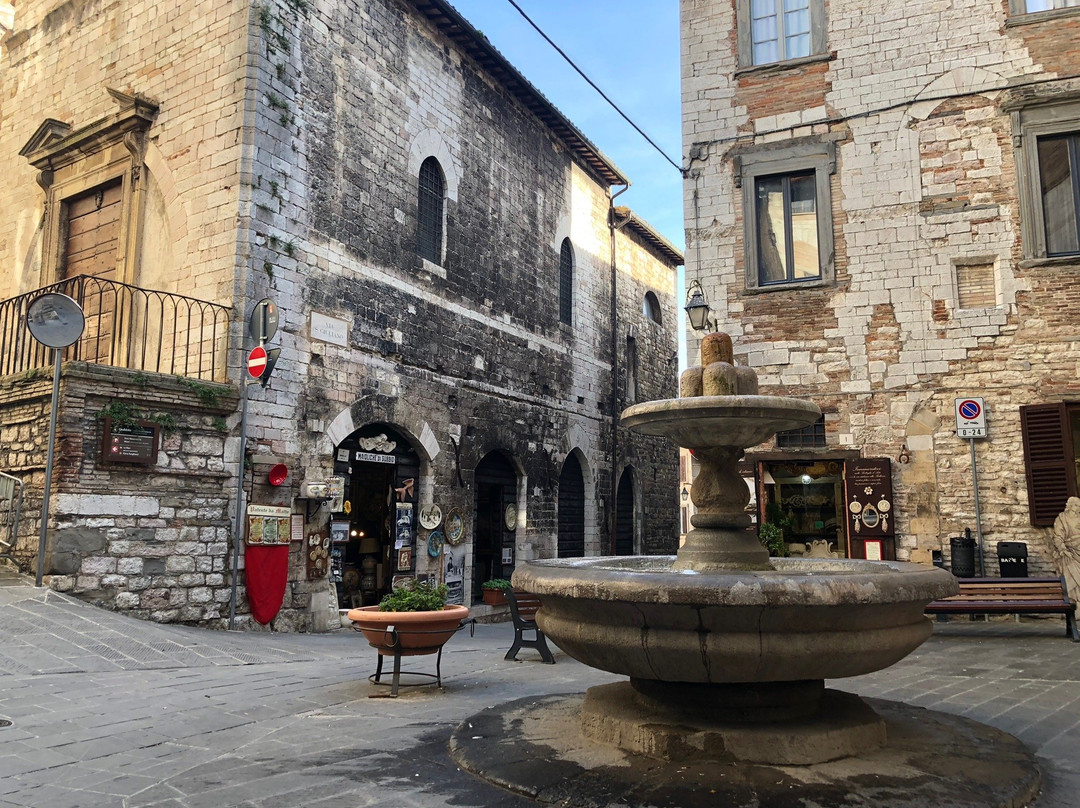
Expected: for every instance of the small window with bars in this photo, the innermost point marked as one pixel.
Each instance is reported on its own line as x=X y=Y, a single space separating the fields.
x=808 y=437
x=429 y=213
x=566 y=282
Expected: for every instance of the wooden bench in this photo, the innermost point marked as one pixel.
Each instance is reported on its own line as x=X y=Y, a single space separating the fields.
x=1011 y=596
x=523 y=608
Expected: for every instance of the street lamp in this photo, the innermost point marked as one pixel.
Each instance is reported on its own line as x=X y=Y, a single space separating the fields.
x=697 y=307
x=685 y=493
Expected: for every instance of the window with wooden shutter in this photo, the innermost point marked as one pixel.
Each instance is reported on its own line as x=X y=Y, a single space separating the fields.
x=1048 y=460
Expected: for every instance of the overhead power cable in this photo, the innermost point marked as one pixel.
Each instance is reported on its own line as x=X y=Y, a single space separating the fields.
x=592 y=84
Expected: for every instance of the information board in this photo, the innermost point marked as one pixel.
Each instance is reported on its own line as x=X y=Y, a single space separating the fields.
x=130 y=443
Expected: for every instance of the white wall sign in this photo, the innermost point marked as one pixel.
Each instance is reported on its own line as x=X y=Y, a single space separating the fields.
x=970 y=417
x=371 y=457
x=329 y=329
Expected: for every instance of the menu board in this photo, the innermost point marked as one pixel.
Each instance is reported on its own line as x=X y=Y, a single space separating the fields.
x=269 y=524
x=130 y=443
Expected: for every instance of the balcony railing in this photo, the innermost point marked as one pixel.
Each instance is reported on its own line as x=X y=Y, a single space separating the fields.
x=126 y=327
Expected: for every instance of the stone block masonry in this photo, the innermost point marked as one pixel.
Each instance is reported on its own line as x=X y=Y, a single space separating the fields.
x=937 y=292
x=153 y=540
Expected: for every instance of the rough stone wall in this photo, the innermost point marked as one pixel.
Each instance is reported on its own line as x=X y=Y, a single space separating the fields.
x=466 y=356
x=283 y=164
x=153 y=539
x=925 y=183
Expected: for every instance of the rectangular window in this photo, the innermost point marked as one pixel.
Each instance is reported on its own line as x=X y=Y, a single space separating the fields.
x=1048 y=176
x=787 y=228
x=1032 y=6
x=778 y=30
x=808 y=437
x=1059 y=180
x=787 y=213
x=976 y=285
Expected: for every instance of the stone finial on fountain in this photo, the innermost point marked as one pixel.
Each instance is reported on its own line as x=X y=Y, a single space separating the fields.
x=718 y=375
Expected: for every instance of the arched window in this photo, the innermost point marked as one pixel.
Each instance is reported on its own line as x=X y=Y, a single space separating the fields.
x=566 y=283
x=429 y=211
x=651 y=307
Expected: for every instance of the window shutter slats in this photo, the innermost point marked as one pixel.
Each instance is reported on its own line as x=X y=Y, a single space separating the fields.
x=1051 y=476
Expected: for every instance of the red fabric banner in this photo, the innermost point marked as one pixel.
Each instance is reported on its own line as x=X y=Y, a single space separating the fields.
x=267 y=569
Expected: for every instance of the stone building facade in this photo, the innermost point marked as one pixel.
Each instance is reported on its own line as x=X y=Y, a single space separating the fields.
x=882 y=209
x=464 y=308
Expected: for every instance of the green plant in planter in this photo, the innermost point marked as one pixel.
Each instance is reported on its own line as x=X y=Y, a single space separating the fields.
x=772 y=536
x=415 y=596
x=771 y=531
x=497 y=583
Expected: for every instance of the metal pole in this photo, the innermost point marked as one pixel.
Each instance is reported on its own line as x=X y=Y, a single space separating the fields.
x=978 y=515
x=49 y=466
x=238 y=520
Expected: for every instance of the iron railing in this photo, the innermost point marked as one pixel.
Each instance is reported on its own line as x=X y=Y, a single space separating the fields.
x=126 y=327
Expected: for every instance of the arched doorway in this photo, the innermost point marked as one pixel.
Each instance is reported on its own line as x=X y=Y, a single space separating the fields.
x=493 y=535
x=378 y=509
x=624 y=514
x=571 y=510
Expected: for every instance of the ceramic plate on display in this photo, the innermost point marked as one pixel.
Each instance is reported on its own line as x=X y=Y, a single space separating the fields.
x=435 y=543
x=510 y=516
x=430 y=517
x=455 y=527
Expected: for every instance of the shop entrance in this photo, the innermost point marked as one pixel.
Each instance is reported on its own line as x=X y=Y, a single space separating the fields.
x=495 y=520
x=380 y=470
x=806 y=500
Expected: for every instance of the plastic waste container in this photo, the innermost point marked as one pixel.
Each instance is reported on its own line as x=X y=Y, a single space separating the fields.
x=1012 y=559
x=963 y=556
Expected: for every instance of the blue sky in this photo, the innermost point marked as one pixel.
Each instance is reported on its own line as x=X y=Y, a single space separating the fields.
x=630 y=49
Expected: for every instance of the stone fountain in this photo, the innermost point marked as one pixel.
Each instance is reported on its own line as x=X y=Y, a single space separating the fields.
x=727 y=651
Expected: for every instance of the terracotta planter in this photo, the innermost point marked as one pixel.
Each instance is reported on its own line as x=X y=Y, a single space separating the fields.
x=495 y=597
x=419 y=632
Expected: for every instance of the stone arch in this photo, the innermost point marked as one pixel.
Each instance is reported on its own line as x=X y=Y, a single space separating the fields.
x=400 y=415
x=161 y=176
x=430 y=143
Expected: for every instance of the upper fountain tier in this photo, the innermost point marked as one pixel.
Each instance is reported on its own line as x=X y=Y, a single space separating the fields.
x=733 y=421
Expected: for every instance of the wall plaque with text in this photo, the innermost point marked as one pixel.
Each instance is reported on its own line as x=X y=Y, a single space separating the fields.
x=130 y=443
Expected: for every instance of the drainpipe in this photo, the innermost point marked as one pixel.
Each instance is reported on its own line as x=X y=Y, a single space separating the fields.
x=612 y=227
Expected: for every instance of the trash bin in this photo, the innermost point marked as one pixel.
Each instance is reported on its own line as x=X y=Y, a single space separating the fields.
x=1012 y=559
x=963 y=556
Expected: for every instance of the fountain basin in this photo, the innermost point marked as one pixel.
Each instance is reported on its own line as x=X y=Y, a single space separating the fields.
x=808 y=619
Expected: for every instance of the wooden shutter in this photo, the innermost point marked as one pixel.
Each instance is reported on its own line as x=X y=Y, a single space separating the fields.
x=1048 y=461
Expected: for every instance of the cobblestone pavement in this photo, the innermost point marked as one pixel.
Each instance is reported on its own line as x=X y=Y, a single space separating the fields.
x=111 y=711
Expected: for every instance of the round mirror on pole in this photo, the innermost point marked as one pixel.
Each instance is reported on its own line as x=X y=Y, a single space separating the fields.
x=56 y=321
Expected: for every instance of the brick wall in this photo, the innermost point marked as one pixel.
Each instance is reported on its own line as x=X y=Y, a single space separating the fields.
x=925 y=190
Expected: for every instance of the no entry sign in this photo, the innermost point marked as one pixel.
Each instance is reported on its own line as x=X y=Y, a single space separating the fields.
x=970 y=418
x=256 y=362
